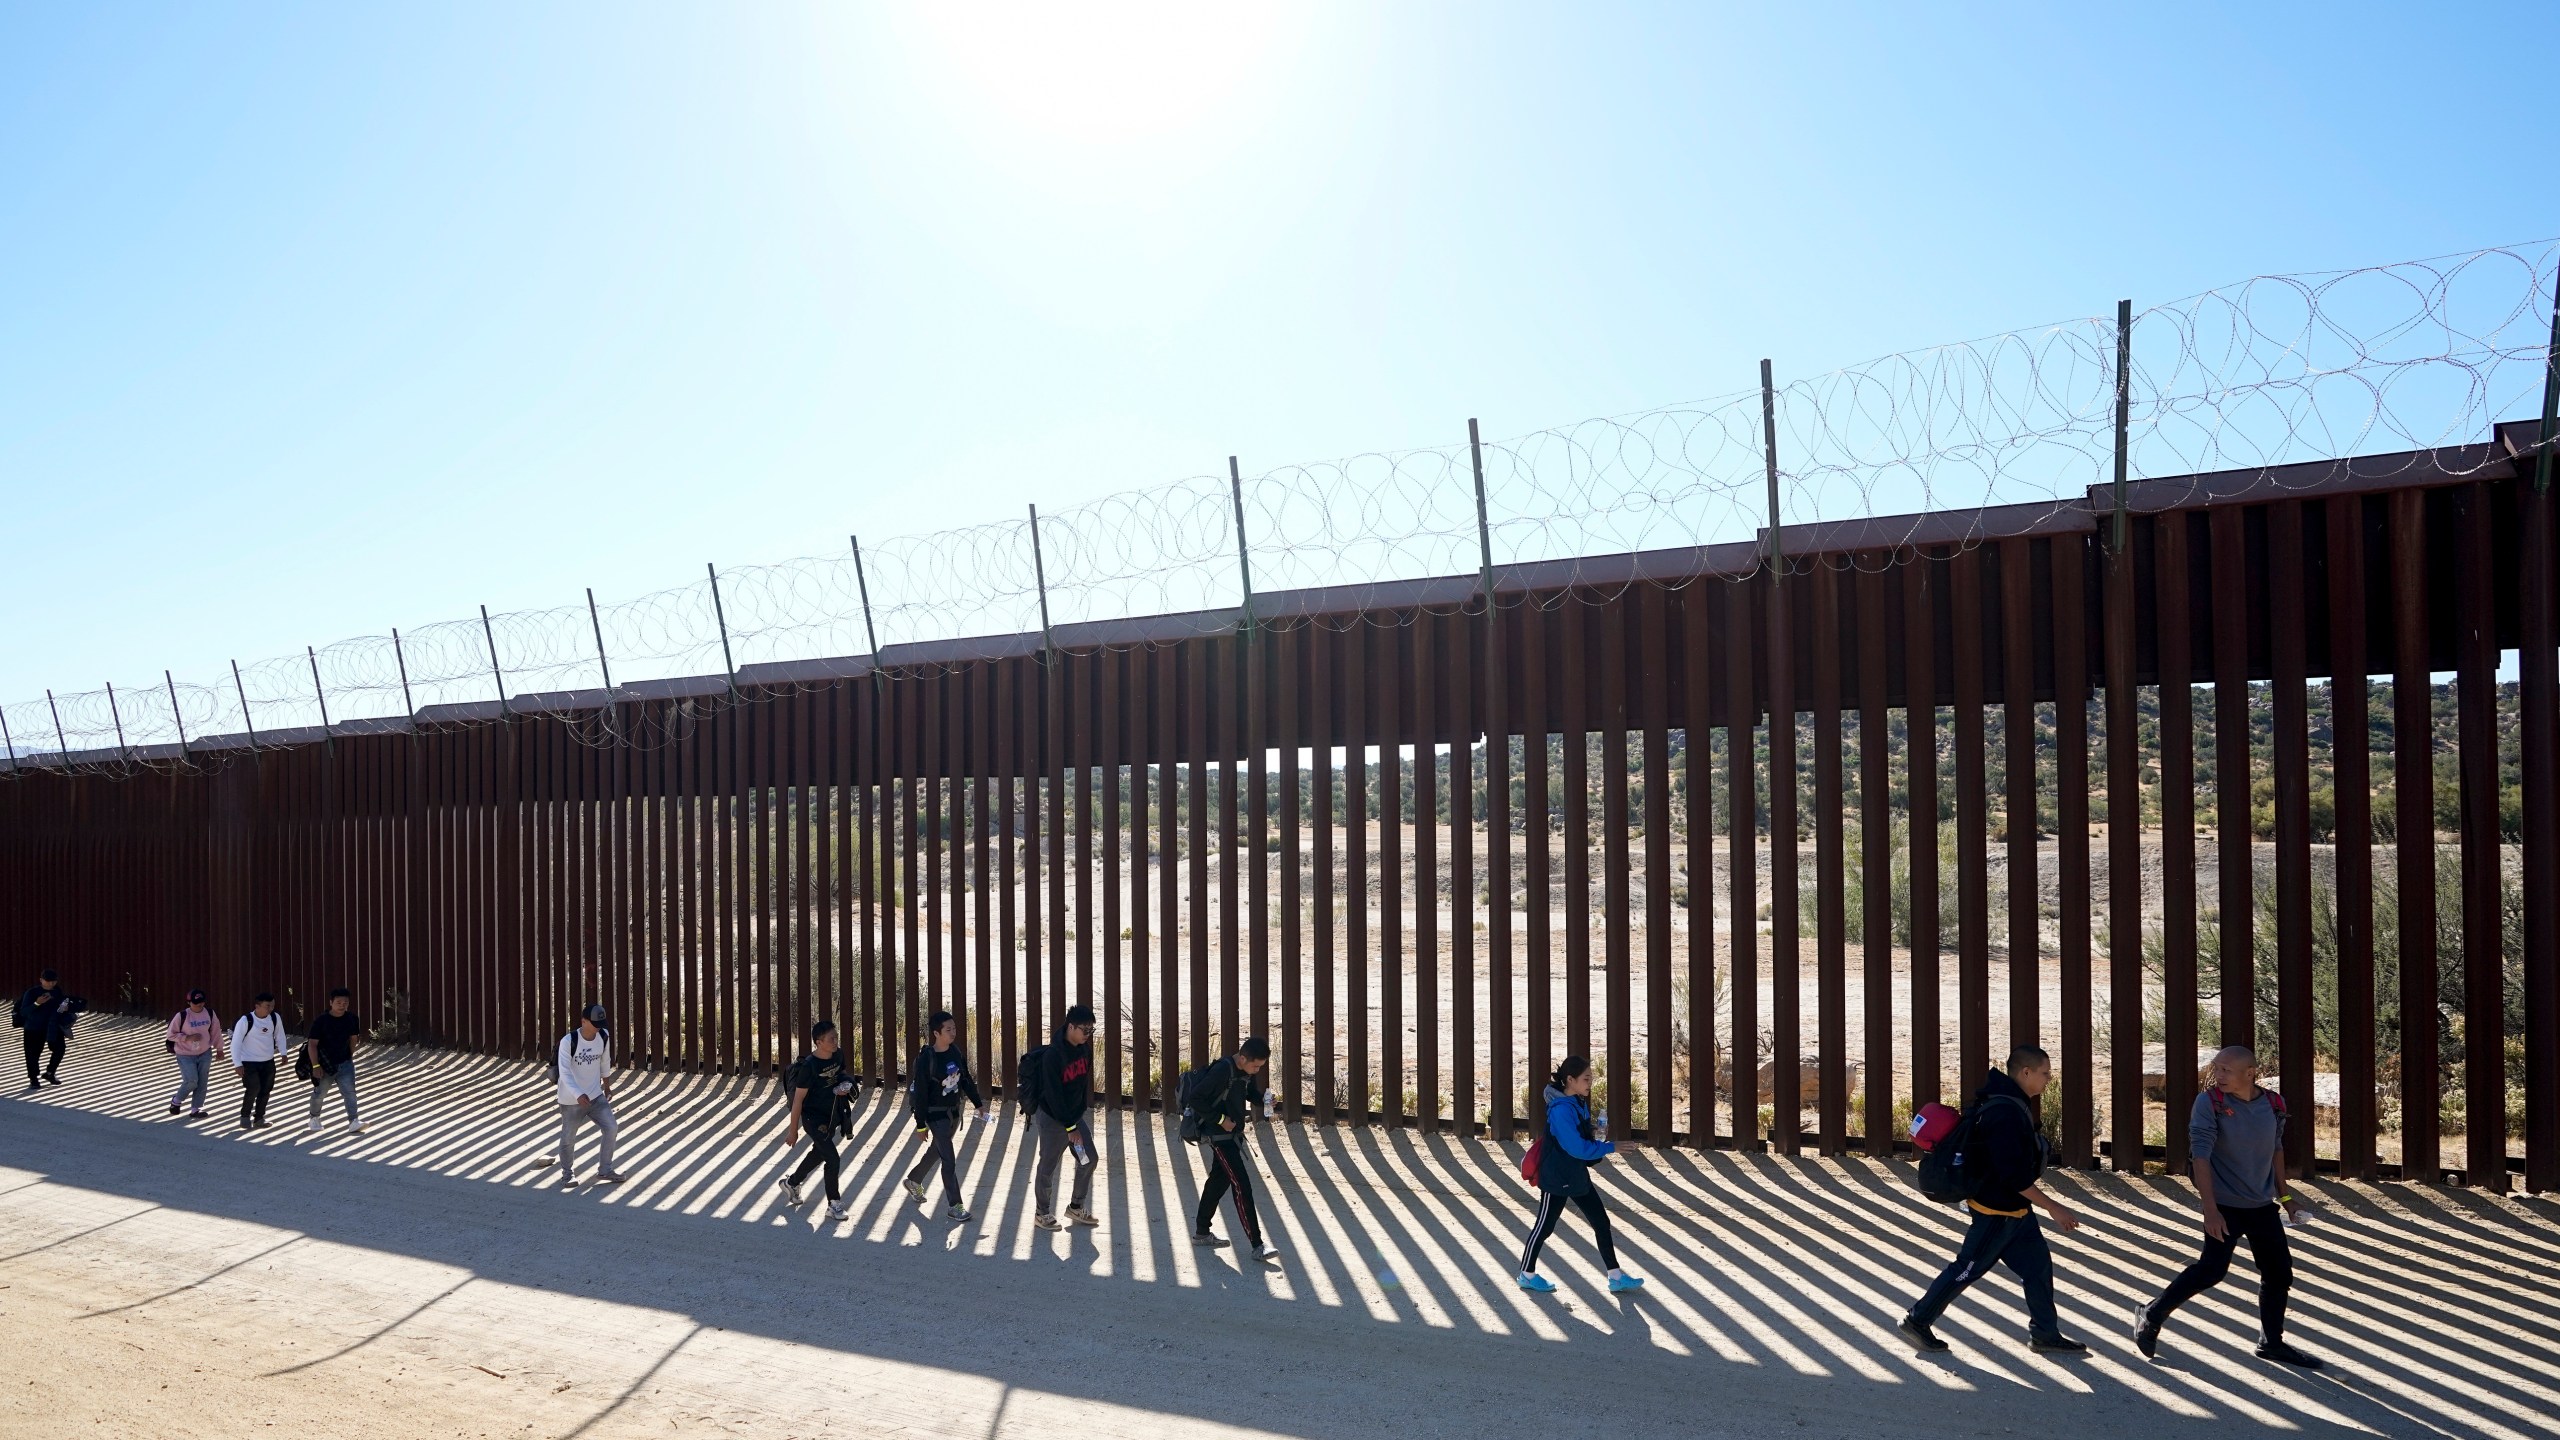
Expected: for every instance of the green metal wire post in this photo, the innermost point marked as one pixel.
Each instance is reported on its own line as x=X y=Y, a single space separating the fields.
x=1040 y=577
x=720 y=615
x=2124 y=420
x=1244 y=556
x=2550 y=398
x=245 y=718
x=175 y=716
x=498 y=672
x=1769 y=451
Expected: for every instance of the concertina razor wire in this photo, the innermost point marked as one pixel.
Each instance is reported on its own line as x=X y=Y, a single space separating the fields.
x=2419 y=357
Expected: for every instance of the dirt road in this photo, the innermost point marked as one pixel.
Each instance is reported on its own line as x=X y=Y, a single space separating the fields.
x=181 y=1280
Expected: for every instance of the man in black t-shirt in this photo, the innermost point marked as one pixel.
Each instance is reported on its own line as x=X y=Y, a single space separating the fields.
x=332 y=1047
x=818 y=1089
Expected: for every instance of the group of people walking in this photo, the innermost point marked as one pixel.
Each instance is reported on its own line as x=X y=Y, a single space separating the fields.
x=2236 y=1140
x=2236 y=1136
x=254 y=1045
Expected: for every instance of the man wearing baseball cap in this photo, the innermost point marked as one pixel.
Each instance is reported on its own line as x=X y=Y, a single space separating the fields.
x=584 y=1097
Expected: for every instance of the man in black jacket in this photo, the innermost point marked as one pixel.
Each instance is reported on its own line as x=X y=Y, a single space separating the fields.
x=1223 y=1098
x=2005 y=1153
x=43 y=1017
x=937 y=1084
x=1061 y=1091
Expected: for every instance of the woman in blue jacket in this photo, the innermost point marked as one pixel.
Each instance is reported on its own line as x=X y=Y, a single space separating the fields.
x=1572 y=1146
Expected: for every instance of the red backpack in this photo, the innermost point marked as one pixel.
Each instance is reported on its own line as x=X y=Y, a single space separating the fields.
x=1532 y=1162
x=2222 y=1101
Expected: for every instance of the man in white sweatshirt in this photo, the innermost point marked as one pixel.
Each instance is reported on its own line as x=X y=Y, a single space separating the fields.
x=257 y=1042
x=585 y=1060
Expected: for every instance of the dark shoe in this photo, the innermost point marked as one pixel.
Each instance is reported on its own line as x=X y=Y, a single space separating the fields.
x=1922 y=1338
x=2056 y=1345
x=2284 y=1354
x=2146 y=1332
x=1208 y=1242
x=173 y=1109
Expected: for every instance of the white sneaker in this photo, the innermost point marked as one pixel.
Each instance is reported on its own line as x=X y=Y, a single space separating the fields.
x=312 y=1128
x=1266 y=1252
x=356 y=1129
x=837 y=1210
x=791 y=1193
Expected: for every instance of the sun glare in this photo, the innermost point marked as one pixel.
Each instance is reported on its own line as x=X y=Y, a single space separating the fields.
x=1063 y=79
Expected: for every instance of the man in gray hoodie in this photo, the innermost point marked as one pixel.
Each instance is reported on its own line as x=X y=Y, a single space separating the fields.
x=2236 y=1135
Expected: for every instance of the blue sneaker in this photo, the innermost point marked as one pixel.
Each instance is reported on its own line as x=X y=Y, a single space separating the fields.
x=1537 y=1284
x=1624 y=1283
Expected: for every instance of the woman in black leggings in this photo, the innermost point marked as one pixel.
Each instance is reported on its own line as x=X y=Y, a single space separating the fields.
x=1572 y=1145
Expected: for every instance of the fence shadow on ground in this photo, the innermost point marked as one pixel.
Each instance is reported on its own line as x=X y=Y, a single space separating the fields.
x=2439 y=1309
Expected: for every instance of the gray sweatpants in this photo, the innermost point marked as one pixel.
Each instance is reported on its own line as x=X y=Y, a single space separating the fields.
x=600 y=1112
x=1044 y=1175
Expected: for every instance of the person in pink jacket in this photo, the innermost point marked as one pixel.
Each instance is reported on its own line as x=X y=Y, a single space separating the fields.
x=195 y=1038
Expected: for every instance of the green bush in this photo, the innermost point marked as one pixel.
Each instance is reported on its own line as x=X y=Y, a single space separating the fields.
x=2390 y=1024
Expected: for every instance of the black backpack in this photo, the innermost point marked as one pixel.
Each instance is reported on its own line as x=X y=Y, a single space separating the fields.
x=1193 y=1091
x=1026 y=1072
x=1945 y=1178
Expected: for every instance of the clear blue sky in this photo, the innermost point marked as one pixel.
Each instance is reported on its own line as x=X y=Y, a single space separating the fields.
x=320 y=320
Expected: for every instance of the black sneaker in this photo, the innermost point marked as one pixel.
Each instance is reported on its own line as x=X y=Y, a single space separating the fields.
x=1922 y=1338
x=2146 y=1332
x=2284 y=1354
x=2056 y=1345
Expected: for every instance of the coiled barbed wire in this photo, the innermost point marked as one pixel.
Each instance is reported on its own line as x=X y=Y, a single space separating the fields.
x=2281 y=379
